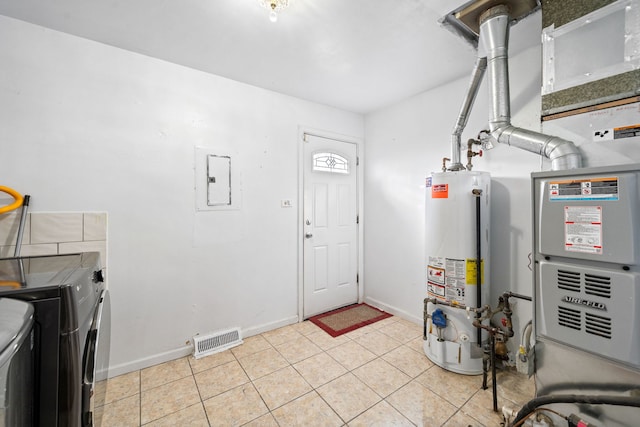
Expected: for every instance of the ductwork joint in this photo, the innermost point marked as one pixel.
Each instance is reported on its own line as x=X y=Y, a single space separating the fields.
x=494 y=36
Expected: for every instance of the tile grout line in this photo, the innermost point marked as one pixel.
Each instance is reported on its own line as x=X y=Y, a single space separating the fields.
x=460 y=411
x=204 y=409
x=237 y=359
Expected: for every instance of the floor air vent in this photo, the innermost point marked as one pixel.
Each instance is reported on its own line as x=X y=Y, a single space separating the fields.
x=215 y=342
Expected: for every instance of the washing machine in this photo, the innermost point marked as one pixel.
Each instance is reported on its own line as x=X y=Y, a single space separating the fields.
x=16 y=363
x=71 y=332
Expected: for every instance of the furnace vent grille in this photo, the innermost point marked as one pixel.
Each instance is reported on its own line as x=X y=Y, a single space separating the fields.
x=598 y=325
x=215 y=342
x=593 y=284
x=570 y=318
x=597 y=285
x=569 y=280
x=594 y=324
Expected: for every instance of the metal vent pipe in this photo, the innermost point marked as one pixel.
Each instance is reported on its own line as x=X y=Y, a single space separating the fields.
x=494 y=38
x=476 y=78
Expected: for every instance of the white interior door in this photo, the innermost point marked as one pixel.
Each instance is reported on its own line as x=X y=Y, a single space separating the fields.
x=330 y=225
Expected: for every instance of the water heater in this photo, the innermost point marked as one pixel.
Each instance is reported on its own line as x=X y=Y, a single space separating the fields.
x=456 y=214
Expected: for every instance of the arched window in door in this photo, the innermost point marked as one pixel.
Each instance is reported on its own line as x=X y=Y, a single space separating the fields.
x=330 y=162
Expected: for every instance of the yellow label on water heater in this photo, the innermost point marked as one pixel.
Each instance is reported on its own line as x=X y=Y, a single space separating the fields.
x=471 y=271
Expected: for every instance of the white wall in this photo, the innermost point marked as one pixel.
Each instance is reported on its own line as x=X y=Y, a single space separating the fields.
x=88 y=127
x=405 y=143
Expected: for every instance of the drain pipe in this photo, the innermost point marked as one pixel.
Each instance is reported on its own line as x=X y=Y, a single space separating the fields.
x=476 y=78
x=494 y=36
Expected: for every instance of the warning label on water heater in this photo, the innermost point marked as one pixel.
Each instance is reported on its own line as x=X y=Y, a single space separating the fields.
x=436 y=278
x=583 y=229
x=440 y=191
x=472 y=270
x=446 y=279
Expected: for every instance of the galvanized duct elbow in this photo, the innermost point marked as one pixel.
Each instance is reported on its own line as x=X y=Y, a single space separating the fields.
x=494 y=38
x=562 y=153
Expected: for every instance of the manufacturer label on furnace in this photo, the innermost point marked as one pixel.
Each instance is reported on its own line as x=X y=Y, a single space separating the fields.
x=583 y=229
x=616 y=133
x=584 y=189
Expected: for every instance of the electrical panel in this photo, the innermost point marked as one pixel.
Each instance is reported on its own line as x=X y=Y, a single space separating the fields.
x=217 y=180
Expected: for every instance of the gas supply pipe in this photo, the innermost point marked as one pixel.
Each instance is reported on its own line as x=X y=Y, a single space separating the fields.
x=504 y=306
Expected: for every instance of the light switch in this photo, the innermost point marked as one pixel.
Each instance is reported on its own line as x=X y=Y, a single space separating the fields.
x=218 y=180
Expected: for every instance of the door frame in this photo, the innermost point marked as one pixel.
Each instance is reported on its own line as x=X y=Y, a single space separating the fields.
x=302 y=131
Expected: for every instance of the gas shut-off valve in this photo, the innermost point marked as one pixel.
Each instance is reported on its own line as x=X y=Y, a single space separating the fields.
x=470 y=153
x=439 y=320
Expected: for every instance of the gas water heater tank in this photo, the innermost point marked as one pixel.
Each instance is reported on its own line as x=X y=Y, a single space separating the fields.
x=451 y=230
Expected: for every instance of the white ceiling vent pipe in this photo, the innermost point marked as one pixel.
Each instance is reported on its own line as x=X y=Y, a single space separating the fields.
x=494 y=40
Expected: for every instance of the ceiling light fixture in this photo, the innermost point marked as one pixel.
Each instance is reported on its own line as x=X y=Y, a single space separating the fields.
x=274 y=6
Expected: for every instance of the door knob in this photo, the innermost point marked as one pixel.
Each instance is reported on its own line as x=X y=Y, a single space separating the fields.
x=308 y=235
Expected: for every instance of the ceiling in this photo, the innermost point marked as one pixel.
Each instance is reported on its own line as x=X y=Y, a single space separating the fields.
x=357 y=55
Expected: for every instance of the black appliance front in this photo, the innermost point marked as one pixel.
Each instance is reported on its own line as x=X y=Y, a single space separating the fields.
x=16 y=363
x=65 y=291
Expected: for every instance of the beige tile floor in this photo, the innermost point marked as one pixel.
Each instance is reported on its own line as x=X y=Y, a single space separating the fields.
x=300 y=376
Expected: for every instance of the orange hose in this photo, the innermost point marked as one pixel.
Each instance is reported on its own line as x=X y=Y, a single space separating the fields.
x=15 y=285
x=17 y=199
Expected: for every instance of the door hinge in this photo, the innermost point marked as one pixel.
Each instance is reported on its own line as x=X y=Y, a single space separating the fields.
x=357 y=277
x=357 y=161
x=357 y=219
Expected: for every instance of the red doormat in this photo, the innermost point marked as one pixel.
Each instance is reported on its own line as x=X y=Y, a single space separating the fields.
x=347 y=319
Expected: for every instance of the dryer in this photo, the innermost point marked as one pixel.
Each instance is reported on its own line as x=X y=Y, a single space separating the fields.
x=72 y=319
x=16 y=363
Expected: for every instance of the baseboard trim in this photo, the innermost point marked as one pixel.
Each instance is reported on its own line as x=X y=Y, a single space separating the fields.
x=167 y=356
x=393 y=310
x=266 y=327
x=125 y=368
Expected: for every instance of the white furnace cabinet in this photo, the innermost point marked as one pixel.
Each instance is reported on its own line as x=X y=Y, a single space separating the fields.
x=586 y=228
